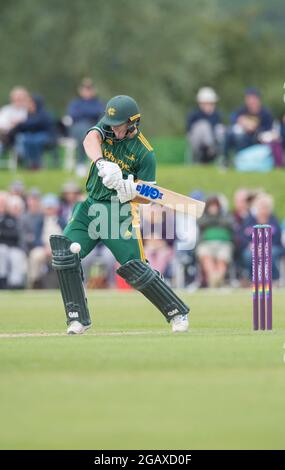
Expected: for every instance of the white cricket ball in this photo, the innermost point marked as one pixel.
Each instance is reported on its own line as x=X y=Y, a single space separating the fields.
x=75 y=247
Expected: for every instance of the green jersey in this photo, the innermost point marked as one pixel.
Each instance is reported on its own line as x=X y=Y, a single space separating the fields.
x=134 y=156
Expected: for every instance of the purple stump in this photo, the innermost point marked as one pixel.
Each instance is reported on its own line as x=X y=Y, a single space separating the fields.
x=261 y=276
x=254 y=251
x=268 y=276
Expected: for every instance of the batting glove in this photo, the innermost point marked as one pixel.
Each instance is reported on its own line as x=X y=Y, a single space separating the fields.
x=110 y=173
x=127 y=189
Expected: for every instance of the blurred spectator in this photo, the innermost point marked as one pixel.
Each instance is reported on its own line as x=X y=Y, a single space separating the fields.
x=31 y=220
x=282 y=131
x=99 y=268
x=215 y=247
x=4 y=238
x=15 y=206
x=241 y=208
x=185 y=269
x=262 y=213
x=242 y=202
x=12 y=114
x=224 y=242
x=33 y=135
x=40 y=256
x=283 y=232
x=205 y=130
x=13 y=262
x=247 y=124
x=17 y=188
x=158 y=234
x=84 y=111
x=70 y=195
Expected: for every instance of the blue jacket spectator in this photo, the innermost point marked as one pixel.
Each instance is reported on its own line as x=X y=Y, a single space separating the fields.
x=84 y=111
x=247 y=124
x=197 y=114
x=263 y=118
x=38 y=119
x=34 y=134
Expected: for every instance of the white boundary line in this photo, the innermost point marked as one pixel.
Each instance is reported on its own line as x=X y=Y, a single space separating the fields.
x=205 y=332
x=111 y=333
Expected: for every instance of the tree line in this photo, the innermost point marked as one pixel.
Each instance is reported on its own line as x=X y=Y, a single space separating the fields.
x=159 y=51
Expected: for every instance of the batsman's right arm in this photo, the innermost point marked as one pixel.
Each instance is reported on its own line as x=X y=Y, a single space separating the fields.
x=92 y=145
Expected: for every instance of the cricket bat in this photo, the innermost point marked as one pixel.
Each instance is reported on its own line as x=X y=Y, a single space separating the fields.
x=165 y=197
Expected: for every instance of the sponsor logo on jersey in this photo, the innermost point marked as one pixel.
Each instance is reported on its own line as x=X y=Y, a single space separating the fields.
x=131 y=157
x=110 y=156
x=149 y=191
x=73 y=314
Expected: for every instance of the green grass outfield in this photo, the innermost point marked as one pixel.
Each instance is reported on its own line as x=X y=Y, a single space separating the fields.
x=180 y=178
x=130 y=383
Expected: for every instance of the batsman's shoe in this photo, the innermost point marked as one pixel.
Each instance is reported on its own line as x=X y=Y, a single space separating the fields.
x=76 y=328
x=180 y=324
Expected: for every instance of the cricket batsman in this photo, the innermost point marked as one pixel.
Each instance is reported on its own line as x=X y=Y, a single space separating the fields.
x=119 y=154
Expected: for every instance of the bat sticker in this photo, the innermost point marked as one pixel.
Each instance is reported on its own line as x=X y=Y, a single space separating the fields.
x=149 y=191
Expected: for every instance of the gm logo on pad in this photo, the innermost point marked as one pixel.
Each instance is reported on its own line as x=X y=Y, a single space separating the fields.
x=149 y=191
x=73 y=315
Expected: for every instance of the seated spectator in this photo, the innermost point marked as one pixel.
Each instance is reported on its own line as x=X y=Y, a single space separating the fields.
x=283 y=232
x=242 y=202
x=242 y=198
x=282 y=131
x=70 y=195
x=185 y=272
x=84 y=111
x=40 y=256
x=34 y=134
x=262 y=213
x=12 y=114
x=247 y=124
x=3 y=239
x=17 y=188
x=99 y=268
x=158 y=233
x=31 y=220
x=215 y=246
x=205 y=130
x=13 y=262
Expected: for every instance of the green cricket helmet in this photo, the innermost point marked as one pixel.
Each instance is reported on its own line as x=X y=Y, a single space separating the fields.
x=120 y=110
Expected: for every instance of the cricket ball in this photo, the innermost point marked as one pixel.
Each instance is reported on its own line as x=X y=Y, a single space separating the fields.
x=75 y=247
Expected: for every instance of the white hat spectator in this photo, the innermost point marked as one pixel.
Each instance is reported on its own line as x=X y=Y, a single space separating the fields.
x=207 y=95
